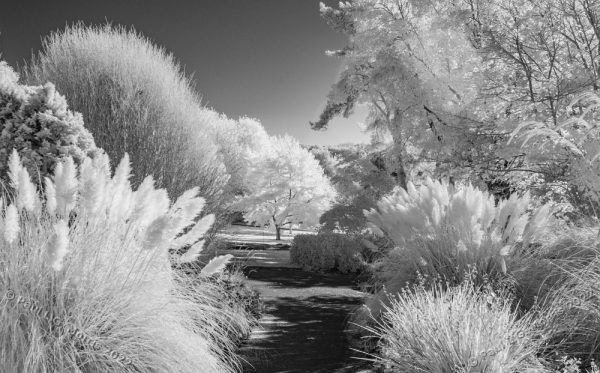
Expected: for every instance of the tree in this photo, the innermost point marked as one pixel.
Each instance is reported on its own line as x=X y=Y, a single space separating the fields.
x=287 y=186
x=538 y=56
x=452 y=79
x=235 y=139
x=412 y=64
x=359 y=176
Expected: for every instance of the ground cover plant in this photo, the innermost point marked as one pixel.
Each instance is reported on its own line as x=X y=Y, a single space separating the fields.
x=87 y=277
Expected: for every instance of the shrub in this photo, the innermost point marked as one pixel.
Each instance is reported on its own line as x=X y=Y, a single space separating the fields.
x=134 y=98
x=37 y=123
x=346 y=216
x=457 y=329
x=87 y=278
x=327 y=251
x=442 y=230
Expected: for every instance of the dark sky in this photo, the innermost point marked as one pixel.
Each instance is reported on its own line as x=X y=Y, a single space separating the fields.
x=261 y=58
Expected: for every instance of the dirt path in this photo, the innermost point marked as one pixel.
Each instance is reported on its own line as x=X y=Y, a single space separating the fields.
x=304 y=318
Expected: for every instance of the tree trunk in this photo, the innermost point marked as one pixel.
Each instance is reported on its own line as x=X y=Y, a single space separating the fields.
x=278 y=234
x=398 y=171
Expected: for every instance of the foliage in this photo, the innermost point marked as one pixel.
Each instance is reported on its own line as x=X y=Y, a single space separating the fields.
x=457 y=329
x=412 y=64
x=327 y=251
x=235 y=139
x=360 y=178
x=134 y=99
x=571 y=147
x=288 y=186
x=91 y=255
x=450 y=80
x=346 y=217
x=242 y=304
x=37 y=123
x=571 y=310
x=440 y=229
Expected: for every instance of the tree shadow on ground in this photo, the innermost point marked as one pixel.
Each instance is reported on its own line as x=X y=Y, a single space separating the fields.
x=303 y=331
x=298 y=278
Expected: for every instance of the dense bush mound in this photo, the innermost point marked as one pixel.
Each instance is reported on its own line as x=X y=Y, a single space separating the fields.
x=134 y=98
x=327 y=251
x=37 y=123
x=460 y=329
x=443 y=230
x=88 y=282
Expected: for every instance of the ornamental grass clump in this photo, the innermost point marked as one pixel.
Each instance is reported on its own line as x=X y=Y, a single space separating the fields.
x=570 y=310
x=443 y=230
x=466 y=328
x=86 y=276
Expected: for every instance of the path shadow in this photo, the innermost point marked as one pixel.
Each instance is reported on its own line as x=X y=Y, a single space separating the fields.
x=303 y=331
x=298 y=278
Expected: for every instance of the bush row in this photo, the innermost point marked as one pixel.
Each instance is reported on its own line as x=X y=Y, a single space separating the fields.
x=327 y=251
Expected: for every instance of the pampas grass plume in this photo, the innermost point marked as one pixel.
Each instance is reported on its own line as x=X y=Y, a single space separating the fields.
x=50 y=191
x=26 y=194
x=192 y=253
x=65 y=179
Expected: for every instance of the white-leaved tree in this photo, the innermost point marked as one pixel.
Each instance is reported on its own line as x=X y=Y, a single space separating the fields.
x=235 y=138
x=413 y=66
x=287 y=186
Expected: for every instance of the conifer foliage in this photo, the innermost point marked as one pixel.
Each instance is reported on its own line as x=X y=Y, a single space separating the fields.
x=37 y=122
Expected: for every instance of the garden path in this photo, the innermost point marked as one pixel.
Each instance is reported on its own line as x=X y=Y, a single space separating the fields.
x=305 y=313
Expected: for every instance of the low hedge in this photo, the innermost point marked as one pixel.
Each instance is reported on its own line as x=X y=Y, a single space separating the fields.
x=327 y=251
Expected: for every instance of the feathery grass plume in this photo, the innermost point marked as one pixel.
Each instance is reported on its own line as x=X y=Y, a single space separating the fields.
x=96 y=275
x=196 y=232
x=216 y=265
x=445 y=231
x=441 y=229
x=14 y=169
x=457 y=329
x=59 y=245
x=11 y=223
x=65 y=185
x=193 y=253
x=27 y=197
x=91 y=187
